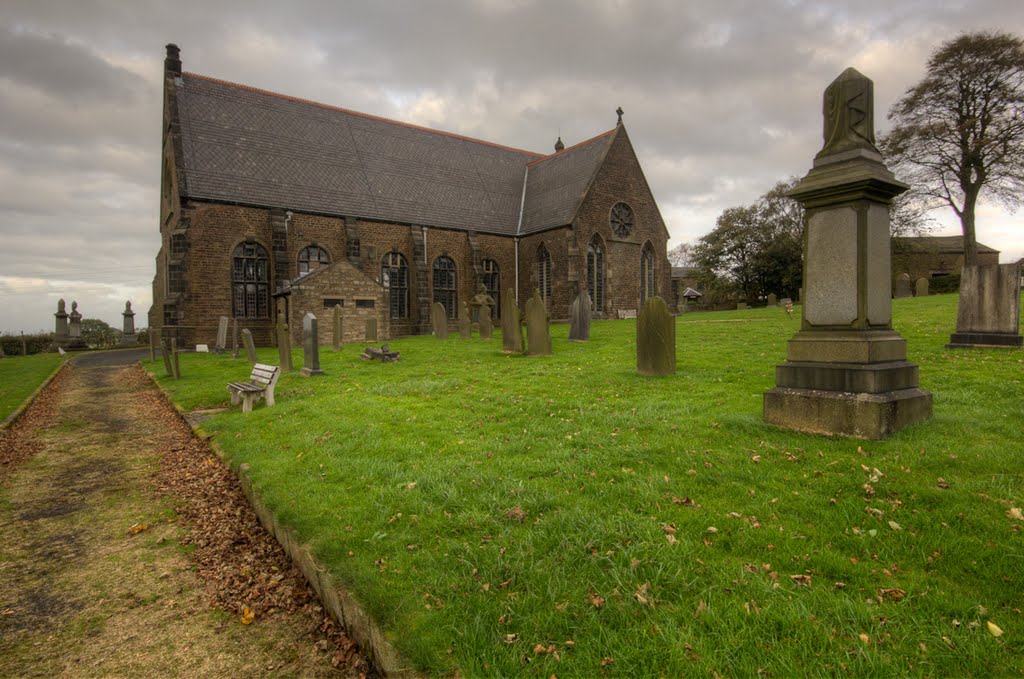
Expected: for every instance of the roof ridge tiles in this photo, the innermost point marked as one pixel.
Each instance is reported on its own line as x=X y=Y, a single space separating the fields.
x=300 y=100
x=574 y=146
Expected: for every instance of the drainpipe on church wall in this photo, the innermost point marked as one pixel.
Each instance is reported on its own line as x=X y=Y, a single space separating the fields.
x=425 y=256
x=516 y=241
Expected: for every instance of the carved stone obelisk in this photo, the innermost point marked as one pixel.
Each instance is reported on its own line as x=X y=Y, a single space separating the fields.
x=846 y=370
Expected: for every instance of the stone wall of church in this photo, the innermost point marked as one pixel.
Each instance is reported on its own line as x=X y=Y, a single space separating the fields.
x=557 y=242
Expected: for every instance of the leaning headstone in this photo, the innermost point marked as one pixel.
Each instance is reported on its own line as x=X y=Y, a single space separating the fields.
x=511 y=328
x=773 y=299
x=439 y=320
x=222 y=335
x=656 y=339
x=538 y=333
x=336 y=338
x=371 y=329
x=284 y=339
x=988 y=312
x=846 y=370
x=128 y=336
x=579 y=318
x=165 y=351
x=921 y=287
x=234 y=338
x=60 y=331
x=250 y=347
x=901 y=290
x=175 y=364
x=310 y=347
x=486 y=327
x=465 y=325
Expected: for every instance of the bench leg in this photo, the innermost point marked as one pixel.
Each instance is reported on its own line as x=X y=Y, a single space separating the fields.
x=269 y=396
x=247 y=403
x=234 y=396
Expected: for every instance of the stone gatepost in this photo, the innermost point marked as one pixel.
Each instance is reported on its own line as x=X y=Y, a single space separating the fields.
x=846 y=370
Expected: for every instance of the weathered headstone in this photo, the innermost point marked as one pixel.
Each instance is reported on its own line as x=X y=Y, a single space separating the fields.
x=773 y=299
x=337 y=327
x=988 y=312
x=165 y=352
x=234 y=338
x=284 y=339
x=538 y=333
x=901 y=290
x=656 y=339
x=222 y=335
x=465 y=325
x=371 y=329
x=175 y=364
x=439 y=320
x=250 y=347
x=511 y=328
x=921 y=287
x=60 y=331
x=480 y=299
x=128 y=336
x=579 y=318
x=846 y=370
x=486 y=327
x=310 y=347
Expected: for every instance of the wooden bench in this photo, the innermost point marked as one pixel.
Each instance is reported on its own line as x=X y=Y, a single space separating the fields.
x=260 y=385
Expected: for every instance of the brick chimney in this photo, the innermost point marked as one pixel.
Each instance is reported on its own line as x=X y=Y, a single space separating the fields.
x=172 y=64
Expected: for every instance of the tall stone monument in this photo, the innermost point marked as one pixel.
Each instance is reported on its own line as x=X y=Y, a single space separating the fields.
x=310 y=347
x=846 y=370
x=988 y=313
x=60 y=330
x=75 y=340
x=538 y=333
x=284 y=339
x=128 y=336
x=579 y=318
x=511 y=328
x=655 y=339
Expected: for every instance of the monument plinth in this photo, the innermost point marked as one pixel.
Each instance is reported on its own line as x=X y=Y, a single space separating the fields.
x=846 y=370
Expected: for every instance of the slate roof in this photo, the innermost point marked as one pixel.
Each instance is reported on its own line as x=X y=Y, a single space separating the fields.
x=249 y=146
x=947 y=245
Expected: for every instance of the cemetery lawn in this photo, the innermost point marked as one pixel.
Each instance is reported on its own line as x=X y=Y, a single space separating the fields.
x=22 y=375
x=505 y=515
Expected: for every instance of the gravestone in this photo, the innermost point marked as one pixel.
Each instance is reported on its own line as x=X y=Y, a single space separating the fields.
x=846 y=370
x=656 y=339
x=234 y=338
x=175 y=364
x=284 y=340
x=371 y=330
x=486 y=327
x=337 y=327
x=511 y=328
x=465 y=325
x=579 y=318
x=901 y=290
x=988 y=312
x=202 y=348
x=165 y=352
x=222 y=335
x=128 y=336
x=310 y=347
x=439 y=320
x=741 y=306
x=250 y=347
x=480 y=299
x=538 y=333
x=75 y=340
x=60 y=331
x=921 y=287
x=773 y=299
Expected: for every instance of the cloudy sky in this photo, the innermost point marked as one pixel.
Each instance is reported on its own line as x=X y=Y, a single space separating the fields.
x=722 y=98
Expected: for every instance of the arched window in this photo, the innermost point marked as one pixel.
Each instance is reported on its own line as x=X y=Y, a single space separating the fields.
x=646 y=273
x=445 y=290
x=312 y=258
x=395 y=275
x=250 y=276
x=544 y=272
x=492 y=281
x=595 y=273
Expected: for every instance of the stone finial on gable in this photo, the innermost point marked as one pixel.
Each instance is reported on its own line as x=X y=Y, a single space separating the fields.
x=172 y=63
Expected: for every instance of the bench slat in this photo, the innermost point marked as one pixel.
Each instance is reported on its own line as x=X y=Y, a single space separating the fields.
x=261 y=374
x=245 y=386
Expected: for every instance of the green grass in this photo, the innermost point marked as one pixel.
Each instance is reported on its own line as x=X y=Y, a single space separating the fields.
x=22 y=375
x=603 y=461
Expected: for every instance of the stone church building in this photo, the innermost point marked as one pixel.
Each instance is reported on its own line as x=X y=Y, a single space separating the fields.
x=267 y=197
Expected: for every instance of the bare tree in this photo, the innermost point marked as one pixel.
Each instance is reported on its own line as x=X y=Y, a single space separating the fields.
x=681 y=255
x=960 y=131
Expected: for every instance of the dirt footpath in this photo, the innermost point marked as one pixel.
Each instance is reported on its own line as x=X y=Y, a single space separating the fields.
x=127 y=549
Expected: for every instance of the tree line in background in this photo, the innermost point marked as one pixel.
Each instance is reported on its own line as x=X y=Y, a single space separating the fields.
x=96 y=333
x=958 y=135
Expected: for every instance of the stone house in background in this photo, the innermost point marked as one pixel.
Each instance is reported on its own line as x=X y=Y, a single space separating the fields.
x=266 y=196
x=934 y=257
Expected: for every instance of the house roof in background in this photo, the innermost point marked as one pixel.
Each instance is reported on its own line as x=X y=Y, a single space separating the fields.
x=946 y=245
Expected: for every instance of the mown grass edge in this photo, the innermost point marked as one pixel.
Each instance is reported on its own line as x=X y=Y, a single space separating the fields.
x=20 y=410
